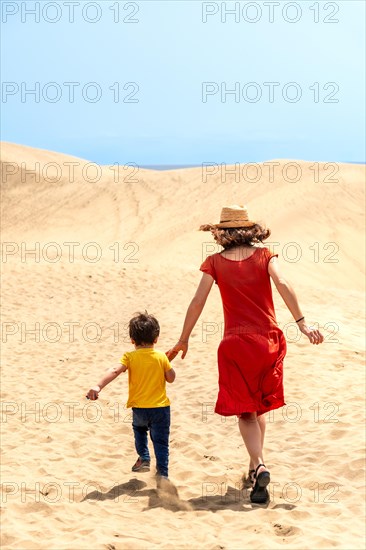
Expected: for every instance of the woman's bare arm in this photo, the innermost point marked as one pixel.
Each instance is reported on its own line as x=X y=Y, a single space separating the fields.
x=193 y=312
x=288 y=295
x=284 y=288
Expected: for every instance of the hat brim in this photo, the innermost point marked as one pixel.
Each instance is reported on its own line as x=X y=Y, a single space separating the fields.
x=234 y=225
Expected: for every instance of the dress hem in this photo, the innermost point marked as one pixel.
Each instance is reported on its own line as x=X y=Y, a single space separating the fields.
x=251 y=410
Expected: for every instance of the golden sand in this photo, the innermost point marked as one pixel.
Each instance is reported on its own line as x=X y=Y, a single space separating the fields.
x=66 y=462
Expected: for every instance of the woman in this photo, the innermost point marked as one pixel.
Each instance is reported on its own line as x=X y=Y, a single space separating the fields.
x=251 y=353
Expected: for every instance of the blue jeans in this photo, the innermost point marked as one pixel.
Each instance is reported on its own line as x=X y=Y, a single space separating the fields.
x=157 y=420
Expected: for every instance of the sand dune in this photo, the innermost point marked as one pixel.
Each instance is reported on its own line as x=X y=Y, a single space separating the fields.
x=66 y=467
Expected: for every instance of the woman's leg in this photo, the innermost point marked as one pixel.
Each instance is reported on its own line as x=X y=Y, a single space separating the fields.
x=262 y=425
x=252 y=431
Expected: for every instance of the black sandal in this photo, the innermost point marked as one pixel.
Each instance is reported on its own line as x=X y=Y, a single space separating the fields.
x=260 y=494
x=251 y=477
x=248 y=479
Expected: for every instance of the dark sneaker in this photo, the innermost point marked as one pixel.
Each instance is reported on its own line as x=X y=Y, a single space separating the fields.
x=141 y=465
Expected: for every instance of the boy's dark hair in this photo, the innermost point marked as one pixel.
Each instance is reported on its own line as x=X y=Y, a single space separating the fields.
x=144 y=328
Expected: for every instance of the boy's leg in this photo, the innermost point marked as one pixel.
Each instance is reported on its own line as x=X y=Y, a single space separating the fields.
x=140 y=427
x=159 y=433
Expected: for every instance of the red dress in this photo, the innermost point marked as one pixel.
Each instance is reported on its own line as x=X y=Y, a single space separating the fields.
x=251 y=353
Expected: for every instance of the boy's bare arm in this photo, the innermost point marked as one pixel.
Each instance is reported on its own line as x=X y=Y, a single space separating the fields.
x=170 y=376
x=110 y=375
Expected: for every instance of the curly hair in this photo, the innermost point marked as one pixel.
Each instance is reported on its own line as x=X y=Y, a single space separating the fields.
x=230 y=237
x=144 y=328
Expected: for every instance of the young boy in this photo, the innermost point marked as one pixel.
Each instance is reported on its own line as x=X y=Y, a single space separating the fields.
x=148 y=372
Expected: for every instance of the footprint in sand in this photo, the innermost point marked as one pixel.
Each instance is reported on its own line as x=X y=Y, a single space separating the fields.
x=286 y=530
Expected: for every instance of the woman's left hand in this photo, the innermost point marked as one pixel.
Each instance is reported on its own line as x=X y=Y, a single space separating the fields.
x=314 y=335
x=179 y=346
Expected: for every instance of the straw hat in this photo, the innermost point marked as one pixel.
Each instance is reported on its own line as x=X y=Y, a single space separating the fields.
x=231 y=217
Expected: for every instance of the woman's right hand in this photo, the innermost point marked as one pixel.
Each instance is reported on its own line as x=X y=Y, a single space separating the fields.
x=314 y=335
x=179 y=346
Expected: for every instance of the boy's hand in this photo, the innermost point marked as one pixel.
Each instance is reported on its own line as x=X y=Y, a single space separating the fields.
x=93 y=393
x=171 y=354
x=179 y=346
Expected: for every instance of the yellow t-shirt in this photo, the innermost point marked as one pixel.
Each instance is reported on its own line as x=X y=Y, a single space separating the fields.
x=146 y=377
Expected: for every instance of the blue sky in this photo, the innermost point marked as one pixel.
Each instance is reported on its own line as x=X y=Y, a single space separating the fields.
x=168 y=54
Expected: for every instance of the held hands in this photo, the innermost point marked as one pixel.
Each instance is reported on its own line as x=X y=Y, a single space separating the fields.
x=314 y=335
x=179 y=346
x=93 y=393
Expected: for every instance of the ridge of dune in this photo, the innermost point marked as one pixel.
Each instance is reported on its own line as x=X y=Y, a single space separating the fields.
x=314 y=210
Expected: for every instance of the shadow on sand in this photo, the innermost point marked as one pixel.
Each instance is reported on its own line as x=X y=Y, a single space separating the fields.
x=166 y=496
